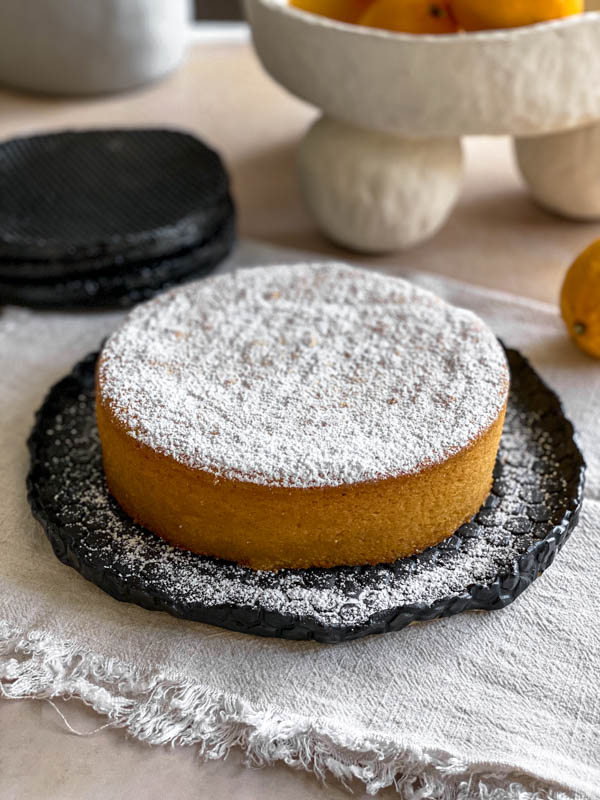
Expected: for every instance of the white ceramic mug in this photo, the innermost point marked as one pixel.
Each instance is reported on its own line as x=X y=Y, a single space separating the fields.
x=90 y=46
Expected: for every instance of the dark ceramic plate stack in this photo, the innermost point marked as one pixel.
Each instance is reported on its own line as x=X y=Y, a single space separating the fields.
x=107 y=218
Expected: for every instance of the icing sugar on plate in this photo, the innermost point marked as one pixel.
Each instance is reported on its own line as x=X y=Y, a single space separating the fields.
x=303 y=376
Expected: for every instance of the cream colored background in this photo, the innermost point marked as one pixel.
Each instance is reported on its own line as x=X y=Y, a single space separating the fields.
x=496 y=238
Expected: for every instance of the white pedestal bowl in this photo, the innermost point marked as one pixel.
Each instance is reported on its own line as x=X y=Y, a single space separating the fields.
x=418 y=89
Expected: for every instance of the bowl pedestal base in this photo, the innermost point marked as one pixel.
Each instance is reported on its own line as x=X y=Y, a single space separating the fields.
x=562 y=171
x=375 y=192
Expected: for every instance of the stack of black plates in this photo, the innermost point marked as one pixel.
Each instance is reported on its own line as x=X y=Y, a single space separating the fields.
x=109 y=217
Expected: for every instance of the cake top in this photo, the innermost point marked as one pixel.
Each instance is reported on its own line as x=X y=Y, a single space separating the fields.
x=303 y=376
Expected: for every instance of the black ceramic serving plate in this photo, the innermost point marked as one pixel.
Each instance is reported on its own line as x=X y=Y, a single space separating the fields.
x=138 y=194
x=124 y=286
x=532 y=509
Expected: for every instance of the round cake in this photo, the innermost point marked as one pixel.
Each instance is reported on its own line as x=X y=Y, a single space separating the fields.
x=301 y=416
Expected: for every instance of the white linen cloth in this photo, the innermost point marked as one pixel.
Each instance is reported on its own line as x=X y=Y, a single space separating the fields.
x=500 y=706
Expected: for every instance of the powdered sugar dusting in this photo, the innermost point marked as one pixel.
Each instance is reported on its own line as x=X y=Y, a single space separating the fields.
x=304 y=376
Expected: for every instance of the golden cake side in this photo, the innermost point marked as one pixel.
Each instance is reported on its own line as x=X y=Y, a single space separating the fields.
x=270 y=527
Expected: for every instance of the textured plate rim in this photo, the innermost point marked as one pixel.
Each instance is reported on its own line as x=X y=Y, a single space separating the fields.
x=179 y=268
x=28 y=272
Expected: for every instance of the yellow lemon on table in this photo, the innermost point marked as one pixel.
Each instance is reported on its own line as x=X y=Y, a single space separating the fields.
x=474 y=15
x=342 y=10
x=580 y=300
x=410 y=16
